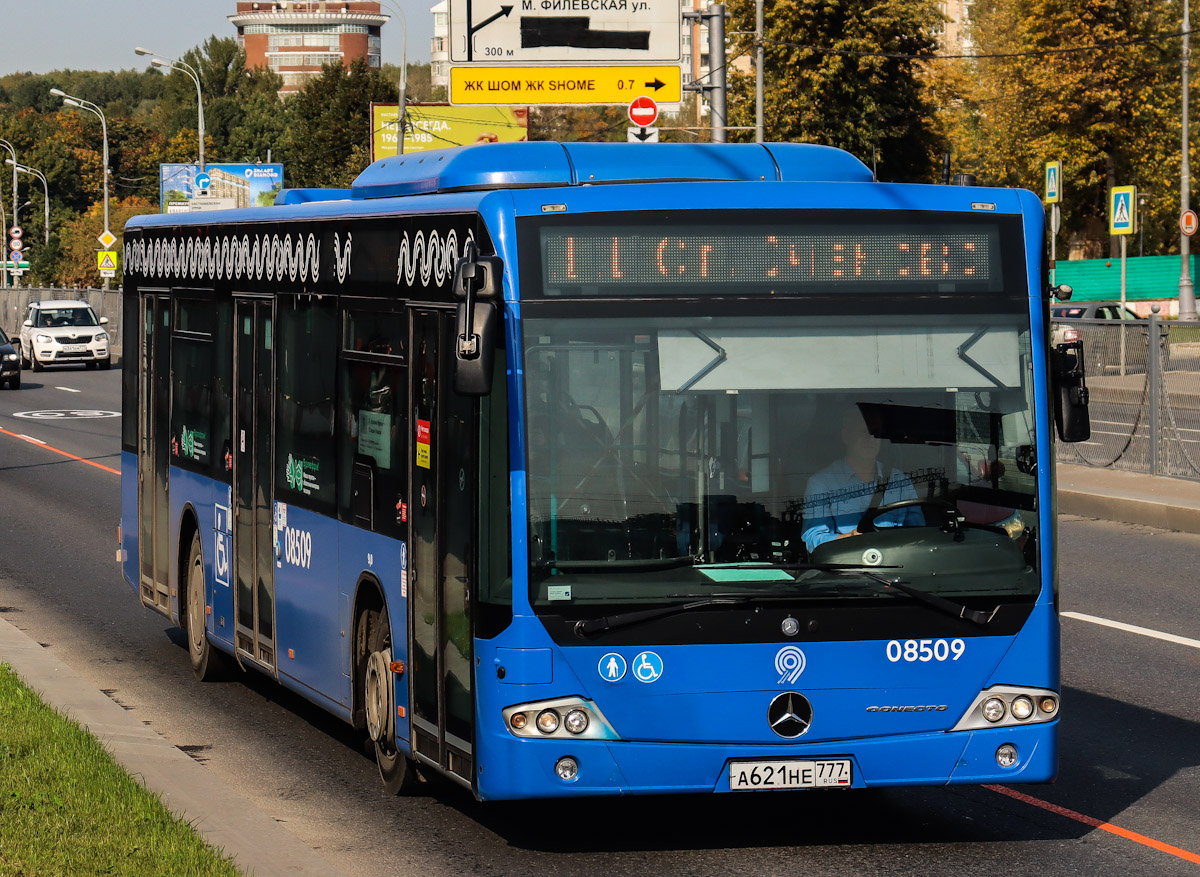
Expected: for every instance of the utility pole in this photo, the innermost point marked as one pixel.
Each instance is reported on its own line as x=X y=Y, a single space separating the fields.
x=759 y=128
x=714 y=17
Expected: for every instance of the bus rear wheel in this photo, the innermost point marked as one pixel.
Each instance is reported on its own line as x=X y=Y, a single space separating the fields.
x=207 y=663
x=399 y=773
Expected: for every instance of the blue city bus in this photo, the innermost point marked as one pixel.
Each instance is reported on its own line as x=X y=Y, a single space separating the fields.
x=594 y=469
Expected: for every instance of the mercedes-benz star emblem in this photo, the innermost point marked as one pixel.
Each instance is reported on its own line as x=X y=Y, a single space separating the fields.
x=790 y=714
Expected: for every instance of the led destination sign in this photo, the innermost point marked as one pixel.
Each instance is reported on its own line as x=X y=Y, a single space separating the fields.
x=761 y=259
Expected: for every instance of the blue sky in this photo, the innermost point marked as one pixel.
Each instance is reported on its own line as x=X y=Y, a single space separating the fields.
x=50 y=35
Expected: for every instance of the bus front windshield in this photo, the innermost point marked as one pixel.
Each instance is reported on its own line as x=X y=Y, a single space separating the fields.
x=676 y=457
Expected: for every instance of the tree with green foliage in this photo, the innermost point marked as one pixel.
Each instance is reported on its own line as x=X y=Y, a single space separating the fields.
x=1093 y=83
x=844 y=73
x=327 y=142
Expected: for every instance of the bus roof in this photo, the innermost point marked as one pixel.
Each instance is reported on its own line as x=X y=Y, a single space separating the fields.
x=549 y=164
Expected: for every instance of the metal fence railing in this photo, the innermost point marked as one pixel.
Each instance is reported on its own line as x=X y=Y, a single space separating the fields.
x=14 y=304
x=1145 y=397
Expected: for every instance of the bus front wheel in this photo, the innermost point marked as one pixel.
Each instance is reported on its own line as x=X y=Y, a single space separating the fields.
x=207 y=663
x=399 y=773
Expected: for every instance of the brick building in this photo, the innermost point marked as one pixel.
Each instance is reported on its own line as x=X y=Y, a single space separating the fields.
x=296 y=39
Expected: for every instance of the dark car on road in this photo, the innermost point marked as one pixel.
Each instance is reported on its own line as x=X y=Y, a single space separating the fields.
x=1102 y=337
x=10 y=363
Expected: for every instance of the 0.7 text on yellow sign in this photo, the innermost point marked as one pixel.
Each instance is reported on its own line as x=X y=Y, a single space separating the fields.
x=563 y=85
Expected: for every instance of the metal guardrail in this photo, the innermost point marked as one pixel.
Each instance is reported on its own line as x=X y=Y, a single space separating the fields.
x=1145 y=398
x=14 y=304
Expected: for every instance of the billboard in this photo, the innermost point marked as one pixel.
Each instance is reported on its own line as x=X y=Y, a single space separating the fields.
x=436 y=126
x=183 y=188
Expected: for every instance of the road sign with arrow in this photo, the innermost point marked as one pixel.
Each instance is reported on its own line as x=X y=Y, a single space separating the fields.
x=563 y=85
x=538 y=31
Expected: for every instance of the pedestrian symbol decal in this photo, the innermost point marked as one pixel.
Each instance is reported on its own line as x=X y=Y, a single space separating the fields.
x=612 y=667
x=647 y=667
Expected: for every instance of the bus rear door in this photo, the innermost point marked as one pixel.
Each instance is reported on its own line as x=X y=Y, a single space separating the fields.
x=154 y=383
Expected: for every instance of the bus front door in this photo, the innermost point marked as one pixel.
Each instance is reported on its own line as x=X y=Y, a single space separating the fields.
x=154 y=385
x=253 y=533
x=444 y=472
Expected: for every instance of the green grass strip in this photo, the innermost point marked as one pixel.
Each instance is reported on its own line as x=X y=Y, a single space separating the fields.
x=66 y=808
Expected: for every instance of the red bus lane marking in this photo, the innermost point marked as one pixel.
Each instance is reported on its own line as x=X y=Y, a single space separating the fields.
x=1098 y=823
x=40 y=444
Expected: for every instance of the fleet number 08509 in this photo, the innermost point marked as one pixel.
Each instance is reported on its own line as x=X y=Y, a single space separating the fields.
x=925 y=650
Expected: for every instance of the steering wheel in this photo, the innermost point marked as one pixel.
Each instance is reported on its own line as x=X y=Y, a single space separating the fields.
x=947 y=517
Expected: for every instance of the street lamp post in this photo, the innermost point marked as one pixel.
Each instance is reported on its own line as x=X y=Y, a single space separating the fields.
x=403 y=74
x=1187 y=294
x=190 y=71
x=82 y=104
x=45 y=188
x=13 y=152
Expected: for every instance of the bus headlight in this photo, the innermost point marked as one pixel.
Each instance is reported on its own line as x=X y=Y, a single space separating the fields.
x=574 y=718
x=1003 y=706
x=576 y=721
x=548 y=721
x=993 y=709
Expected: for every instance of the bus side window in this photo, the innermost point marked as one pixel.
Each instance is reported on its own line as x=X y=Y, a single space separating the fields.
x=304 y=419
x=372 y=431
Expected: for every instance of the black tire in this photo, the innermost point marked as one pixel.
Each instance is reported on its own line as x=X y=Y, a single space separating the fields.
x=398 y=772
x=106 y=363
x=208 y=664
x=22 y=361
x=14 y=383
x=89 y=365
x=33 y=362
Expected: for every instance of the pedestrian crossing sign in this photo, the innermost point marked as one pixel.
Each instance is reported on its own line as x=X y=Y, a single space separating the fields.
x=106 y=260
x=1053 y=182
x=1122 y=210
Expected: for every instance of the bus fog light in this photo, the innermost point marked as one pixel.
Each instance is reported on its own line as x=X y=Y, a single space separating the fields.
x=1048 y=705
x=1006 y=755
x=518 y=721
x=576 y=721
x=993 y=709
x=547 y=721
x=567 y=768
x=1022 y=707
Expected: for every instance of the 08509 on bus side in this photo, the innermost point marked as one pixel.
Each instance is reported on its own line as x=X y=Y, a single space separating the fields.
x=594 y=469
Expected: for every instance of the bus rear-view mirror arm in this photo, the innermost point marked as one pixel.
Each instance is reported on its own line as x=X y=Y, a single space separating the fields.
x=477 y=287
x=1067 y=376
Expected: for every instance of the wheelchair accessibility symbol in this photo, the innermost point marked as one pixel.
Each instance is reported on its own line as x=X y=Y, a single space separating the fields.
x=647 y=667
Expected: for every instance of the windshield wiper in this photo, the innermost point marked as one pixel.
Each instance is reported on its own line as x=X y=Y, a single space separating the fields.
x=958 y=610
x=645 y=564
x=625 y=619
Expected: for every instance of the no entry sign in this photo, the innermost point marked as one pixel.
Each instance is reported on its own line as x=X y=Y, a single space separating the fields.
x=643 y=111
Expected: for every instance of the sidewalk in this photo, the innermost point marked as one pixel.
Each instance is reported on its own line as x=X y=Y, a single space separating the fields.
x=256 y=842
x=260 y=846
x=1129 y=497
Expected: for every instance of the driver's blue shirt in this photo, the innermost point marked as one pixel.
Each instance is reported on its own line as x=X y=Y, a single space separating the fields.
x=836 y=498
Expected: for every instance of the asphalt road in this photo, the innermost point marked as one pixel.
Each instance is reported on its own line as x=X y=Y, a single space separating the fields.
x=1130 y=752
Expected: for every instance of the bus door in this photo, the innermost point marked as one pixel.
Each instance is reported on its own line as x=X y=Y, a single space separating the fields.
x=154 y=386
x=253 y=429
x=441 y=556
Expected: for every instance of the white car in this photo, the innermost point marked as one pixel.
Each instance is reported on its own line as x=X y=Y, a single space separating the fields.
x=59 y=332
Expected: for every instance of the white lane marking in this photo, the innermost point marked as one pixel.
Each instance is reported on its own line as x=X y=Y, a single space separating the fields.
x=1130 y=628
x=68 y=389
x=30 y=438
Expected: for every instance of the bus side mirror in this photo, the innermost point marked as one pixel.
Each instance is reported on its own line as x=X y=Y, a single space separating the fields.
x=1071 y=416
x=477 y=287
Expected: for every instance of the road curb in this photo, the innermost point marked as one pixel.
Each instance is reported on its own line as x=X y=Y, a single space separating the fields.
x=1129 y=497
x=226 y=820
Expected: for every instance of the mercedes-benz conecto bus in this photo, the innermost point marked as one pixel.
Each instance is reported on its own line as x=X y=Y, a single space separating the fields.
x=598 y=469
